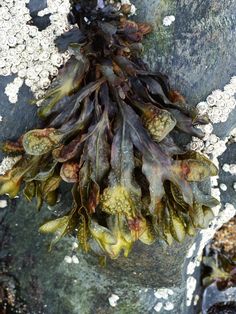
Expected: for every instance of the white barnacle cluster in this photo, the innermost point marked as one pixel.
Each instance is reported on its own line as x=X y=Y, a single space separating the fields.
x=221 y=102
x=3 y=203
x=230 y=168
x=168 y=20
x=218 y=107
x=113 y=299
x=210 y=144
x=25 y=51
x=71 y=259
x=163 y=295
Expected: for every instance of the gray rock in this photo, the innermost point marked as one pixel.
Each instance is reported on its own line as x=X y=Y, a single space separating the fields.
x=229 y=158
x=16 y=118
x=197 y=50
x=50 y=285
x=213 y=296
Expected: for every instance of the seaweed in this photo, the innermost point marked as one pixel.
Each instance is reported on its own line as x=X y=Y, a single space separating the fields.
x=108 y=124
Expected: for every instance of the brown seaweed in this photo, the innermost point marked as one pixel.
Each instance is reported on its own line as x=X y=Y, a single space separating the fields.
x=109 y=122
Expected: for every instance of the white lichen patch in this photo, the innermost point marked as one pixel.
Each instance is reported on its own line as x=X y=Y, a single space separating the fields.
x=113 y=299
x=7 y=163
x=27 y=52
x=168 y=20
x=3 y=203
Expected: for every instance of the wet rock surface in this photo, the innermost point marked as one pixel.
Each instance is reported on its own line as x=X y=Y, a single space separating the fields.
x=198 y=52
x=16 y=119
x=219 y=263
x=228 y=158
x=215 y=302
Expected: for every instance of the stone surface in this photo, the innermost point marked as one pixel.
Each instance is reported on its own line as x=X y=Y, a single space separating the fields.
x=198 y=49
x=198 y=52
x=51 y=285
x=213 y=296
x=16 y=119
x=229 y=158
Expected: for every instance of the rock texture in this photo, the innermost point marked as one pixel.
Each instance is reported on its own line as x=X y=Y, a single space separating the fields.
x=198 y=49
x=198 y=52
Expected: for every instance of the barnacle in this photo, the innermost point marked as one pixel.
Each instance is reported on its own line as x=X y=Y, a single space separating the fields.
x=107 y=129
x=38 y=60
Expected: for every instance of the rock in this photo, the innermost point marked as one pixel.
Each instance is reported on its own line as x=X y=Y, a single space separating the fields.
x=16 y=118
x=225 y=300
x=52 y=285
x=225 y=177
x=36 y=6
x=198 y=52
